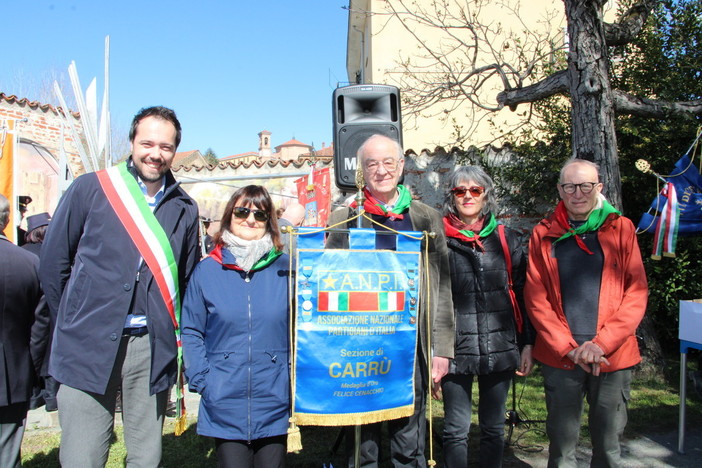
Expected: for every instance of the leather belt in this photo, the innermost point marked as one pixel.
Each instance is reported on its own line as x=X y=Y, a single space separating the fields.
x=141 y=331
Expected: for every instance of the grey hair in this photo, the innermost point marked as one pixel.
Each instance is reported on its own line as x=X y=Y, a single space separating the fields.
x=4 y=212
x=463 y=174
x=572 y=161
x=378 y=136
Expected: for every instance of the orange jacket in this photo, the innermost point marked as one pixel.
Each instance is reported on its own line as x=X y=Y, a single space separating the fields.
x=623 y=296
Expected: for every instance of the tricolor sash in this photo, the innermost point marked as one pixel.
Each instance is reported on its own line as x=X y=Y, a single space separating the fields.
x=127 y=200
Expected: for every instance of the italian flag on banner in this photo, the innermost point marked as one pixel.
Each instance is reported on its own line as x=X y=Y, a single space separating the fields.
x=7 y=172
x=361 y=301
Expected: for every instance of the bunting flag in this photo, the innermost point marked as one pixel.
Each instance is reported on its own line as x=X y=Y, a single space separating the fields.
x=7 y=173
x=355 y=329
x=666 y=233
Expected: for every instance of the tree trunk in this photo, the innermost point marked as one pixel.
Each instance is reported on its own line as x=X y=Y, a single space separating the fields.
x=652 y=357
x=594 y=137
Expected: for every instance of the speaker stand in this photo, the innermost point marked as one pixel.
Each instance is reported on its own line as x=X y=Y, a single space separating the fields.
x=513 y=419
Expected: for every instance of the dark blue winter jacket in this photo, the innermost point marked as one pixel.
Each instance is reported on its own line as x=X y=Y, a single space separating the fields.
x=235 y=344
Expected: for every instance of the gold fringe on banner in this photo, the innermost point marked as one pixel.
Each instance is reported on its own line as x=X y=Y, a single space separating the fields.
x=353 y=419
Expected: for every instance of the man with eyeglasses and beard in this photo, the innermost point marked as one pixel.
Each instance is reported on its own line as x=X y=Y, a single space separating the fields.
x=391 y=205
x=586 y=294
x=117 y=254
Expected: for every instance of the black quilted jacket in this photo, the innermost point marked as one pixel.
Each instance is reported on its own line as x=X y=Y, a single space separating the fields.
x=486 y=333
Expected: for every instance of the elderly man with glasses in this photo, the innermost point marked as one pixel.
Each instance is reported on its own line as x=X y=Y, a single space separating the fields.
x=586 y=294
x=391 y=205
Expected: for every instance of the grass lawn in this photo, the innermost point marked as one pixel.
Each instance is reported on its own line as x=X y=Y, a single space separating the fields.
x=653 y=408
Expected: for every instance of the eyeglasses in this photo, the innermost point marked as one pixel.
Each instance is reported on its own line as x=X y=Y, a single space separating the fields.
x=475 y=191
x=390 y=165
x=243 y=213
x=585 y=187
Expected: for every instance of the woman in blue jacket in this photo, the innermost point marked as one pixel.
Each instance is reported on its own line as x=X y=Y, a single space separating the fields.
x=235 y=335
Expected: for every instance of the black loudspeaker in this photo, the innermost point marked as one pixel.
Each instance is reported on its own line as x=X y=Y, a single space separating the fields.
x=359 y=112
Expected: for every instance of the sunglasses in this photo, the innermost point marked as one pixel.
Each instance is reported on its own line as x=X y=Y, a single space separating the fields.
x=475 y=191
x=243 y=213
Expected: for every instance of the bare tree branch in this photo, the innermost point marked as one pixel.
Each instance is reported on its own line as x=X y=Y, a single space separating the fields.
x=629 y=25
x=627 y=104
x=478 y=66
x=549 y=86
x=474 y=58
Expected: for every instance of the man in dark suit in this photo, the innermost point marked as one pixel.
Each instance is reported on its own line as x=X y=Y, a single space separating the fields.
x=21 y=351
x=46 y=393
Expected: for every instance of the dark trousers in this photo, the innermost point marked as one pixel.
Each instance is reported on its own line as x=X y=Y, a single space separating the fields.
x=12 y=421
x=607 y=396
x=407 y=435
x=268 y=452
x=457 y=391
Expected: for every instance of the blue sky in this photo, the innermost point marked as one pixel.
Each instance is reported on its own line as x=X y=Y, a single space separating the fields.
x=229 y=68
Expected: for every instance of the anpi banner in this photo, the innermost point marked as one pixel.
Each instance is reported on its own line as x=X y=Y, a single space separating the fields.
x=356 y=330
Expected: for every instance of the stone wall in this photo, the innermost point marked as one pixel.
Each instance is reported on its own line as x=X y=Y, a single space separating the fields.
x=426 y=175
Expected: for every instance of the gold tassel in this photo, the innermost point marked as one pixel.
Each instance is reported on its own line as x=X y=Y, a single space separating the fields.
x=294 y=437
x=180 y=425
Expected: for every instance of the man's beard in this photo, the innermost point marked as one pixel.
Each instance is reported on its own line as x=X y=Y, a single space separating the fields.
x=150 y=178
x=145 y=178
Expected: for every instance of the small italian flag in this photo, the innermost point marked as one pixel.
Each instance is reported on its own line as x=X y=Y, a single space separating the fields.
x=666 y=234
x=361 y=301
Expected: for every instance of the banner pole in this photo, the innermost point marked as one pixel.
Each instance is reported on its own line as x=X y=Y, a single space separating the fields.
x=360 y=200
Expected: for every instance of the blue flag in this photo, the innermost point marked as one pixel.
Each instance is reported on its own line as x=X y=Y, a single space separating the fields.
x=688 y=187
x=356 y=330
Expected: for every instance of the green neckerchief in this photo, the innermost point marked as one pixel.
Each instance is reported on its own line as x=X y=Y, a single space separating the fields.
x=403 y=201
x=485 y=231
x=267 y=260
x=593 y=223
